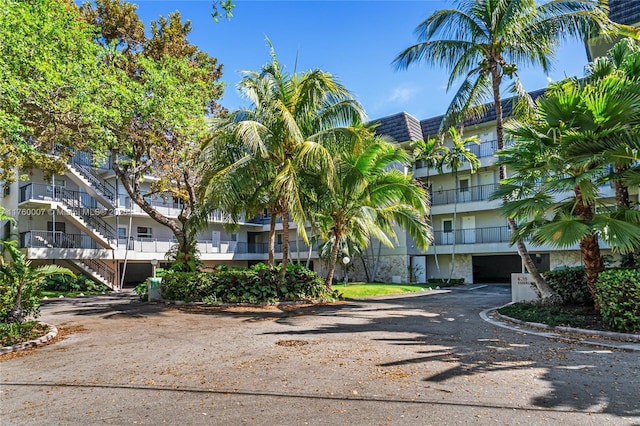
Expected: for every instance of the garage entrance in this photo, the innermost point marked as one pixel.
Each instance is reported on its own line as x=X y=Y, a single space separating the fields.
x=495 y=269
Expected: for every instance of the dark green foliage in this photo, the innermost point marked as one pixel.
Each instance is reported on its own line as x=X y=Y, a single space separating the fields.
x=443 y=282
x=570 y=284
x=618 y=293
x=550 y=315
x=68 y=283
x=142 y=290
x=253 y=285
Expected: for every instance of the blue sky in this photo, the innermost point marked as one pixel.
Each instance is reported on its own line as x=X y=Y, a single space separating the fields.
x=354 y=40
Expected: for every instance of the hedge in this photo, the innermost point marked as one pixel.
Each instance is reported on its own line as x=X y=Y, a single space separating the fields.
x=618 y=294
x=571 y=284
x=256 y=284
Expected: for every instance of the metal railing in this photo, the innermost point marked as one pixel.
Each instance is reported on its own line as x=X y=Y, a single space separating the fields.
x=496 y=234
x=101 y=268
x=83 y=162
x=57 y=239
x=464 y=195
x=81 y=205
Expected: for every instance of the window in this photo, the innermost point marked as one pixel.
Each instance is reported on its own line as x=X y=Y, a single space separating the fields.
x=60 y=227
x=145 y=232
x=278 y=238
x=447 y=225
x=233 y=237
x=464 y=185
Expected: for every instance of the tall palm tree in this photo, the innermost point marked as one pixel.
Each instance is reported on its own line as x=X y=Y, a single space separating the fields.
x=368 y=196
x=284 y=132
x=484 y=41
x=454 y=158
x=547 y=161
x=430 y=153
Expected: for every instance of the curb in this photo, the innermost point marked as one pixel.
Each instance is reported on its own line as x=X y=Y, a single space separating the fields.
x=53 y=332
x=628 y=342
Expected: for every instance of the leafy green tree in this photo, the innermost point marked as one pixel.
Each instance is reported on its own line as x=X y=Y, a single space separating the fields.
x=485 y=41
x=284 y=132
x=453 y=158
x=158 y=119
x=368 y=196
x=48 y=69
x=548 y=161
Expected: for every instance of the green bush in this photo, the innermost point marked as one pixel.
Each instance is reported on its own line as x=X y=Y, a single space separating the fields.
x=570 y=284
x=67 y=283
x=257 y=284
x=618 y=294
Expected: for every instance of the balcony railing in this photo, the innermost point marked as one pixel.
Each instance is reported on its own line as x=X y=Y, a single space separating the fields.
x=496 y=234
x=57 y=239
x=464 y=195
x=80 y=204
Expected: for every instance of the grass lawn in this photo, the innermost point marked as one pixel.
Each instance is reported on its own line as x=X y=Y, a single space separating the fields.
x=376 y=289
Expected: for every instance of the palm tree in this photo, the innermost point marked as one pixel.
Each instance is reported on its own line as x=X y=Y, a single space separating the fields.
x=548 y=159
x=623 y=61
x=368 y=196
x=484 y=41
x=283 y=133
x=454 y=158
x=430 y=153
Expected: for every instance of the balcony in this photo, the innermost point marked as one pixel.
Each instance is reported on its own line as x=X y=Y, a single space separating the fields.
x=464 y=195
x=496 y=234
x=57 y=239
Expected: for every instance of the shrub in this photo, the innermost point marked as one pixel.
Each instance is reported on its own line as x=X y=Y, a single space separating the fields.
x=618 y=294
x=67 y=283
x=256 y=284
x=570 y=284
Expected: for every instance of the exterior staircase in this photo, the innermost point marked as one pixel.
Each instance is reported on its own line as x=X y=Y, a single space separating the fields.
x=97 y=270
x=88 y=219
x=82 y=171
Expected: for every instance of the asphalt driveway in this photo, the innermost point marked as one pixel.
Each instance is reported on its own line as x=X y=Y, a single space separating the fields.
x=412 y=360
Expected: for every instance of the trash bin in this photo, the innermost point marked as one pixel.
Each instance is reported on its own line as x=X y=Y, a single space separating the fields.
x=153 y=287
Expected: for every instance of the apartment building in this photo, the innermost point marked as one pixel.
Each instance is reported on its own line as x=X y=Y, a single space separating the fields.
x=84 y=220
x=468 y=228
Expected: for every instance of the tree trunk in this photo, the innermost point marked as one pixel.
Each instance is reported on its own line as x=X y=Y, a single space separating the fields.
x=590 y=250
x=333 y=259
x=272 y=239
x=16 y=314
x=547 y=295
x=285 y=245
x=366 y=270
x=455 y=218
x=589 y=246
x=433 y=244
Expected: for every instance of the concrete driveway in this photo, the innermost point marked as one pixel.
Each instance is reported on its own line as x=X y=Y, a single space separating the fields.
x=408 y=360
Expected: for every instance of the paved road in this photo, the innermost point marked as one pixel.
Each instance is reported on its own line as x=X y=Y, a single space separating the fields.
x=410 y=360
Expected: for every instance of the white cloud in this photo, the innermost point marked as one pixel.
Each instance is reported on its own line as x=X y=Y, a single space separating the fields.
x=402 y=94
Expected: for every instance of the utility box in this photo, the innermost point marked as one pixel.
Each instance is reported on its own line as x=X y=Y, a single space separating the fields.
x=153 y=288
x=523 y=288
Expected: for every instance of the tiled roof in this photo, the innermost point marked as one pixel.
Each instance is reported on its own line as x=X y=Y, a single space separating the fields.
x=624 y=11
x=401 y=127
x=430 y=126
